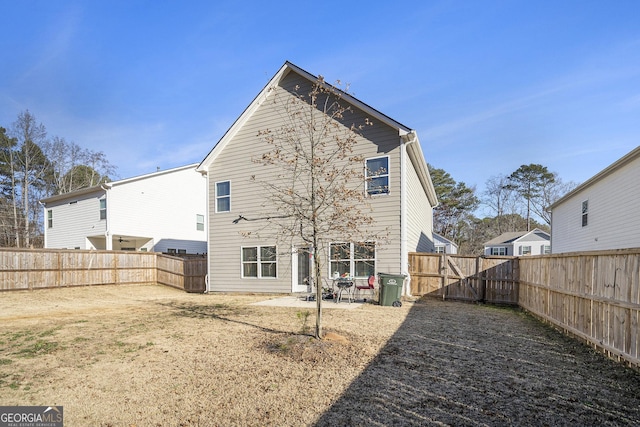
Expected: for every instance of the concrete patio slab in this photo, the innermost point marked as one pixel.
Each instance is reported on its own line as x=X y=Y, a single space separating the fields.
x=299 y=302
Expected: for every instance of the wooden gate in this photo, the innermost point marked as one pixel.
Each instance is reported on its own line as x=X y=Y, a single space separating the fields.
x=484 y=279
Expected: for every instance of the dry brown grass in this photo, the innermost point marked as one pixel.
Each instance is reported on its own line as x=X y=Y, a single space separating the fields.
x=155 y=356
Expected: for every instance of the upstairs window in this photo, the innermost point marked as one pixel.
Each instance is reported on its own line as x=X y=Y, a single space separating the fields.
x=377 y=175
x=585 y=213
x=200 y=222
x=103 y=208
x=223 y=196
x=50 y=218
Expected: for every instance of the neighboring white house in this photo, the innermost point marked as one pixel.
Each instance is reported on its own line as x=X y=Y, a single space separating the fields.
x=444 y=245
x=519 y=243
x=164 y=211
x=402 y=201
x=603 y=212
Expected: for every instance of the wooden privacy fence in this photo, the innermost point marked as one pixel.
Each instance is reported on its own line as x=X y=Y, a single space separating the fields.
x=592 y=295
x=48 y=268
x=482 y=279
x=188 y=274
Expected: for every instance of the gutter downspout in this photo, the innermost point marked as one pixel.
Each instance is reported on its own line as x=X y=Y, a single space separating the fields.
x=404 y=253
x=107 y=233
x=207 y=279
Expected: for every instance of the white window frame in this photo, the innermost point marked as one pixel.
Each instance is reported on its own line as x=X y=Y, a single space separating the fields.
x=585 y=213
x=50 y=218
x=368 y=177
x=103 y=209
x=498 y=249
x=440 y=249
x=259 y=262
x=199 y=222
x=545 y=249
x=525 y=250
x=226 y=196
x=352 y=260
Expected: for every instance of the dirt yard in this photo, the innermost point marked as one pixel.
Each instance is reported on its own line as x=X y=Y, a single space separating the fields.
x=155 y=356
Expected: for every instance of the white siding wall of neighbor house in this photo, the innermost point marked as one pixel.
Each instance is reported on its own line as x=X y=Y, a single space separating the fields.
x=248 y=198
x=613 y=219
x=73 y=220
x=141 y=207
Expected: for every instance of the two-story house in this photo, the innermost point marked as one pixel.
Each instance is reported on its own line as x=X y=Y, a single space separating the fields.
x=164 y=211
x=240 y=259
x=602 y=212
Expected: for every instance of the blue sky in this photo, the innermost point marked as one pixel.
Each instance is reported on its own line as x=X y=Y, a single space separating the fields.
x=488 y=85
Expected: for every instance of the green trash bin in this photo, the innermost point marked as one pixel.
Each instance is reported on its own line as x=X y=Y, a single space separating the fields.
x=391 y=289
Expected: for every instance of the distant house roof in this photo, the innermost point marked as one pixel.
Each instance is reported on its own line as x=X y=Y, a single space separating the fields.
x=441 y=239
x=632 y=155
x=512 y=236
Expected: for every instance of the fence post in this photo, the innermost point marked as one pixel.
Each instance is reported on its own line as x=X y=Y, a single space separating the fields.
x=480 y=278
x=445 y=275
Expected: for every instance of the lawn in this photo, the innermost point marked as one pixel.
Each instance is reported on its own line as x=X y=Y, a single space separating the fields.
x=155 y=356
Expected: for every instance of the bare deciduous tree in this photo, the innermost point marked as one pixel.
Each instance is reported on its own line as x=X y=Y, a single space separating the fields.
x=316 y=181
x=31 y=166
x=501 y=198
x=73 y=167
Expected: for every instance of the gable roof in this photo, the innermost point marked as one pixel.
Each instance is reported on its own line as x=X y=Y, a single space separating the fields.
x=442 y=239
x=629 y=157
x=512 y=236
x=408 y=135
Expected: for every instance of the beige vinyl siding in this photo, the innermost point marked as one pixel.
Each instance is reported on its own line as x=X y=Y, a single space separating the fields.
x=248 y=198
x=613 y=221
x=73 y=221
x=419 y=214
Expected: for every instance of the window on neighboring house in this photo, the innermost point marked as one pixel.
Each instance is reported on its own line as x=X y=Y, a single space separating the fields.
x=171 y=251
x=200 y=222
x=500 y=251
x=353 y=259
x=223 y=196
x=377 y=175
x=545 y=249
x=585 y=213
x=50 y=218
x=525 y=250
x=440 y=249
x=259 y=261
x=103 y=208
x=182 y=251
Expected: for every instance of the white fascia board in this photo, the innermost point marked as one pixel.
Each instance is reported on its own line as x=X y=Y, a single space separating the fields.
x=417 y=158
x=150 y=175
x=632 y=155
